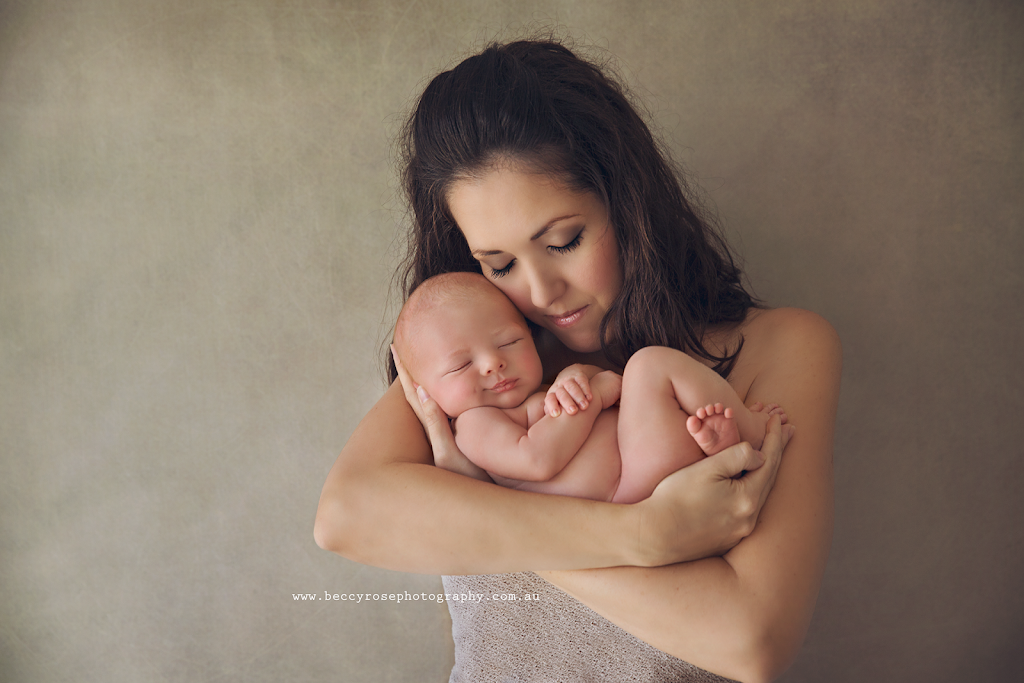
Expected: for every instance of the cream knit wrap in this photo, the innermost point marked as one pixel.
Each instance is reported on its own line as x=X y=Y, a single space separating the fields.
x=551 y=638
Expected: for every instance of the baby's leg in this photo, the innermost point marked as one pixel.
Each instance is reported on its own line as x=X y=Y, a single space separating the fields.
x=662 y=389
x=653 y=439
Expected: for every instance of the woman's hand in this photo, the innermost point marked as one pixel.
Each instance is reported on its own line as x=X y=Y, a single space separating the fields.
x=707 y=508
x=435 y=422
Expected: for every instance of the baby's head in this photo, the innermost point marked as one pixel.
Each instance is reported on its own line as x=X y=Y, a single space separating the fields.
x=466 y=344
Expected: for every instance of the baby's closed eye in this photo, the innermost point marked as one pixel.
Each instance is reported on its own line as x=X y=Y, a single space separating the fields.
x=458 y=369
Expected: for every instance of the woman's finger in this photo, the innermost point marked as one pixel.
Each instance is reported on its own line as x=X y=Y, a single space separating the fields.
x=435 y=421
x=737 y=460
x=762 y=481
x=408 y=385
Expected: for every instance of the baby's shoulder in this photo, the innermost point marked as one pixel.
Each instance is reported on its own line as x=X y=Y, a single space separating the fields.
x=524 y=415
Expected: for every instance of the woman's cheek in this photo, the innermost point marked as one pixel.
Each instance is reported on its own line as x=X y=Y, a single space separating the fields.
x=519 y=296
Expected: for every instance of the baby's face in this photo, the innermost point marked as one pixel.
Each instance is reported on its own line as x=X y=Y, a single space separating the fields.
x=475 y=352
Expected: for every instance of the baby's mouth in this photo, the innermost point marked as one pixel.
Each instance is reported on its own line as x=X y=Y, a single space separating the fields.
x=504 y=385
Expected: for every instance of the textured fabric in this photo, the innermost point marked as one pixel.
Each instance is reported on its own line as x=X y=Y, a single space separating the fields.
x=550 y=637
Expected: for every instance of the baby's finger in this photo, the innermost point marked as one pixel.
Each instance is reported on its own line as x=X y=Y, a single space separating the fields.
x=584 y=383
x=567 y=401
x=574 y=390
x=551 y=405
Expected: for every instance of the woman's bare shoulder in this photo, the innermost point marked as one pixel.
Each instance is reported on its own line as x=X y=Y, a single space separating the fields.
x=780 y=342
x=787 y=330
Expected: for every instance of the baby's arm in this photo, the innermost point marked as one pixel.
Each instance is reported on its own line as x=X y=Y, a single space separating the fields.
x=536 y=447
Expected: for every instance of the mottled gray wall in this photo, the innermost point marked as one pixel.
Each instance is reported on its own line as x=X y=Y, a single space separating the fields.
x=197 y=231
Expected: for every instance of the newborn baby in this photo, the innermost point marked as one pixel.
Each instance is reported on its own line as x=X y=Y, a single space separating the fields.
x=471 y=350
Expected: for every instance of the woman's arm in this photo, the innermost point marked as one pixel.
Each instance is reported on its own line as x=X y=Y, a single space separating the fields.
x=385 y=504
x=744 y=615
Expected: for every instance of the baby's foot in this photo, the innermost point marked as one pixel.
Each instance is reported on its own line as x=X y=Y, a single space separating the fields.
x=761 y=414
x=713 y=428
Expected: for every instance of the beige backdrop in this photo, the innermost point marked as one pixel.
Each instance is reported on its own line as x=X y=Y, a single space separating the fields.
x=198 y=225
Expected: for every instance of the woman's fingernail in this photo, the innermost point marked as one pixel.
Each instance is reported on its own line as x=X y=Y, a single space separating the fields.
x=422 y=394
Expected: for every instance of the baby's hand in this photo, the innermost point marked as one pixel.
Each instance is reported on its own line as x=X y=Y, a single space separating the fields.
x=571 y=391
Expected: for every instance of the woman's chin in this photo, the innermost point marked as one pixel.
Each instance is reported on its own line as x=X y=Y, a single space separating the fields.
x=574 y=342
x=577 y=345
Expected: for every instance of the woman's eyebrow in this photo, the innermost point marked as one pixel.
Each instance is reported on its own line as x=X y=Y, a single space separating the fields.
x=537 y=235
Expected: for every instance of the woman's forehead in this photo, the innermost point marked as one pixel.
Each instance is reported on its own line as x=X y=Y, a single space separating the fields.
x=511 y=204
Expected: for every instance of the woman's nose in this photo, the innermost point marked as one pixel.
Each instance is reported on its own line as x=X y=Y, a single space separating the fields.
x=545 y=288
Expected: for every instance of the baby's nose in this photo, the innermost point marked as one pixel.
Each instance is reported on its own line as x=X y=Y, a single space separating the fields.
x=494 y=364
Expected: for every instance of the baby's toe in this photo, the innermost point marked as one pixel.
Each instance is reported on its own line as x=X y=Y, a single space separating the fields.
x=693 y=424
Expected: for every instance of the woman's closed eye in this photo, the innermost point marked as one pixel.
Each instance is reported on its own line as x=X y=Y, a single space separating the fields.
x=570 y=245
x=502 y=272
x=563 y=249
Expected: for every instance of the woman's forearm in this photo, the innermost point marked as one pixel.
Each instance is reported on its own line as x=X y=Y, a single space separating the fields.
x=744 y=615
x=385 y=504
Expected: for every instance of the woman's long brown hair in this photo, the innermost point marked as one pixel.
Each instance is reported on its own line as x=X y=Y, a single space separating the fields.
x=537 y=104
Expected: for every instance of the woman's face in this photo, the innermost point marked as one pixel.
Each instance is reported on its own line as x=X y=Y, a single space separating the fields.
x=550 y=249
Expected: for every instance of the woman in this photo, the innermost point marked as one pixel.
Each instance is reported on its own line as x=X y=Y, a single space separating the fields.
x=529 y=165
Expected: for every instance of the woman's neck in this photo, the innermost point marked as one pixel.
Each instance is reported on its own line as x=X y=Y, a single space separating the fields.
x=556 y=356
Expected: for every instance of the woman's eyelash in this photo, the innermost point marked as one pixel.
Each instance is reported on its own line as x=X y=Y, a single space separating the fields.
x=503 y=271
x=566 y=248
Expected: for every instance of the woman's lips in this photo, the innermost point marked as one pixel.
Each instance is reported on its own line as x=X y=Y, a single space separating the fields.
x=568 y=319
x=506 y=385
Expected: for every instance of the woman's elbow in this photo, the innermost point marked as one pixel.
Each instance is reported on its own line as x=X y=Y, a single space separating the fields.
x=337 y=527
x=326 y=529
x=768 y=654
